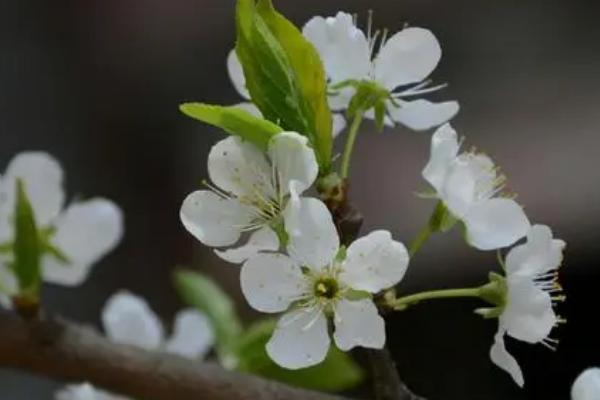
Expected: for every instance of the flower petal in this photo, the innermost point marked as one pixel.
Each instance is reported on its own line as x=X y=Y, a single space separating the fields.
x=495 y=223
x=313 y=239
x=212 y=219
x=293 y=160
x=358 y=323
x=540 y=254
x=85 y=232
x=528 y=314
x=422 y=114
x=502 y=358
x=374 y=262
x=444 y=148
x=459 y=188
x=85 y=391
x=193 y=335
x=43 y=179
x=236 y=74
x=239 y=167
x=587 y=385
x=129 y=320
x=263 y=239
x=271 y=282
x=407 y=57
x=300 y=339
x=339 y=123
x=343 y=47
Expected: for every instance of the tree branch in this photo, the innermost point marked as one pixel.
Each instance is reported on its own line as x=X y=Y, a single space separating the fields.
x=65 y=351
x=387 y=384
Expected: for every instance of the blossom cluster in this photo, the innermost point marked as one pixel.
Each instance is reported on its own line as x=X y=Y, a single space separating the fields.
x=265 y=208
x=292 y=259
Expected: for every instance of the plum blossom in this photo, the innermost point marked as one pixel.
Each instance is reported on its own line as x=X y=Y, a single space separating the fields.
x=398 y=70
x=531 y=288
x=128 y=319
x=74 y=237
x=251 y=193
x=316 y=282
x=470 y=187
x=236 y=74
x=85 y=391
x=587 y=385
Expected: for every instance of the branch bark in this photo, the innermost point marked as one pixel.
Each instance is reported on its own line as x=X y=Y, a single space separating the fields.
x=387 y=384
x=65 y=351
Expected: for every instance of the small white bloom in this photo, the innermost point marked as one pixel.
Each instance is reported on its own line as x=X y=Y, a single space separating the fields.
x=128 y=319
x=587 y=385
x=311 y=284
x=532 y=287
x=236 y=74
x=469 y=184
x=83 y=232
x=400 y=67
x=85 y=391
x=251 y=192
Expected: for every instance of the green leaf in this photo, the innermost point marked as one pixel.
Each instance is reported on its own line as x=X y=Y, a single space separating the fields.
x=204 y=294
x=235 y=121
x=336 y=373
x=284 y=75
x=27 y=249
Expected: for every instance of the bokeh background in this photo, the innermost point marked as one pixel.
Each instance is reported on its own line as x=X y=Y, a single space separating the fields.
x=97 y=84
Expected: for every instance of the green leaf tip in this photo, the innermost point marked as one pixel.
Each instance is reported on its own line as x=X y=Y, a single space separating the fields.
x=234 y=121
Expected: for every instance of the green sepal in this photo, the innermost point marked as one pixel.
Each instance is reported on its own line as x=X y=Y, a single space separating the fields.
x=489 y=312
x=495 y=292
x=380 y=114
x=442 y=219
x=368 y=95
x=203 y=293
x=336 y=373
x=278 y=226
x=27 y=248
x=235 y=121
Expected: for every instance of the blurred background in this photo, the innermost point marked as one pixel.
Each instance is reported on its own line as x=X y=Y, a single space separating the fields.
x=97 y=84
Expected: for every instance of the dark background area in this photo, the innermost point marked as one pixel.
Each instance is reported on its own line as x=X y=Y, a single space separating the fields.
x=97 y=84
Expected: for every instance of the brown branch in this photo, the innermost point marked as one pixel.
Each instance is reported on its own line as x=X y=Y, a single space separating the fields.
x=65 y=351
x=348 y=220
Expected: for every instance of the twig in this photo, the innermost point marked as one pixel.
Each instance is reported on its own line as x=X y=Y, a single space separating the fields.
x=387 y=384
x=65 y=351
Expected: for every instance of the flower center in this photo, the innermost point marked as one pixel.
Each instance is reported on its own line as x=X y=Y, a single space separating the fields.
x=326 y=288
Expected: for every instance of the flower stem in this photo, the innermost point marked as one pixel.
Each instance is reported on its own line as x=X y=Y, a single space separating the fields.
x=349 y=147
x=420 y=239
x=402 y=303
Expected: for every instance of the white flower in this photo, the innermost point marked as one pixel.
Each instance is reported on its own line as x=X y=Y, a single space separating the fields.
x=468 y=184
x=236 y=74
x=313 y=284
x=587 y=385
x=85 y=391
x=399 y=68
x=532 y=286
x=251 y=193
x=83 y=232
x=128 y=319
